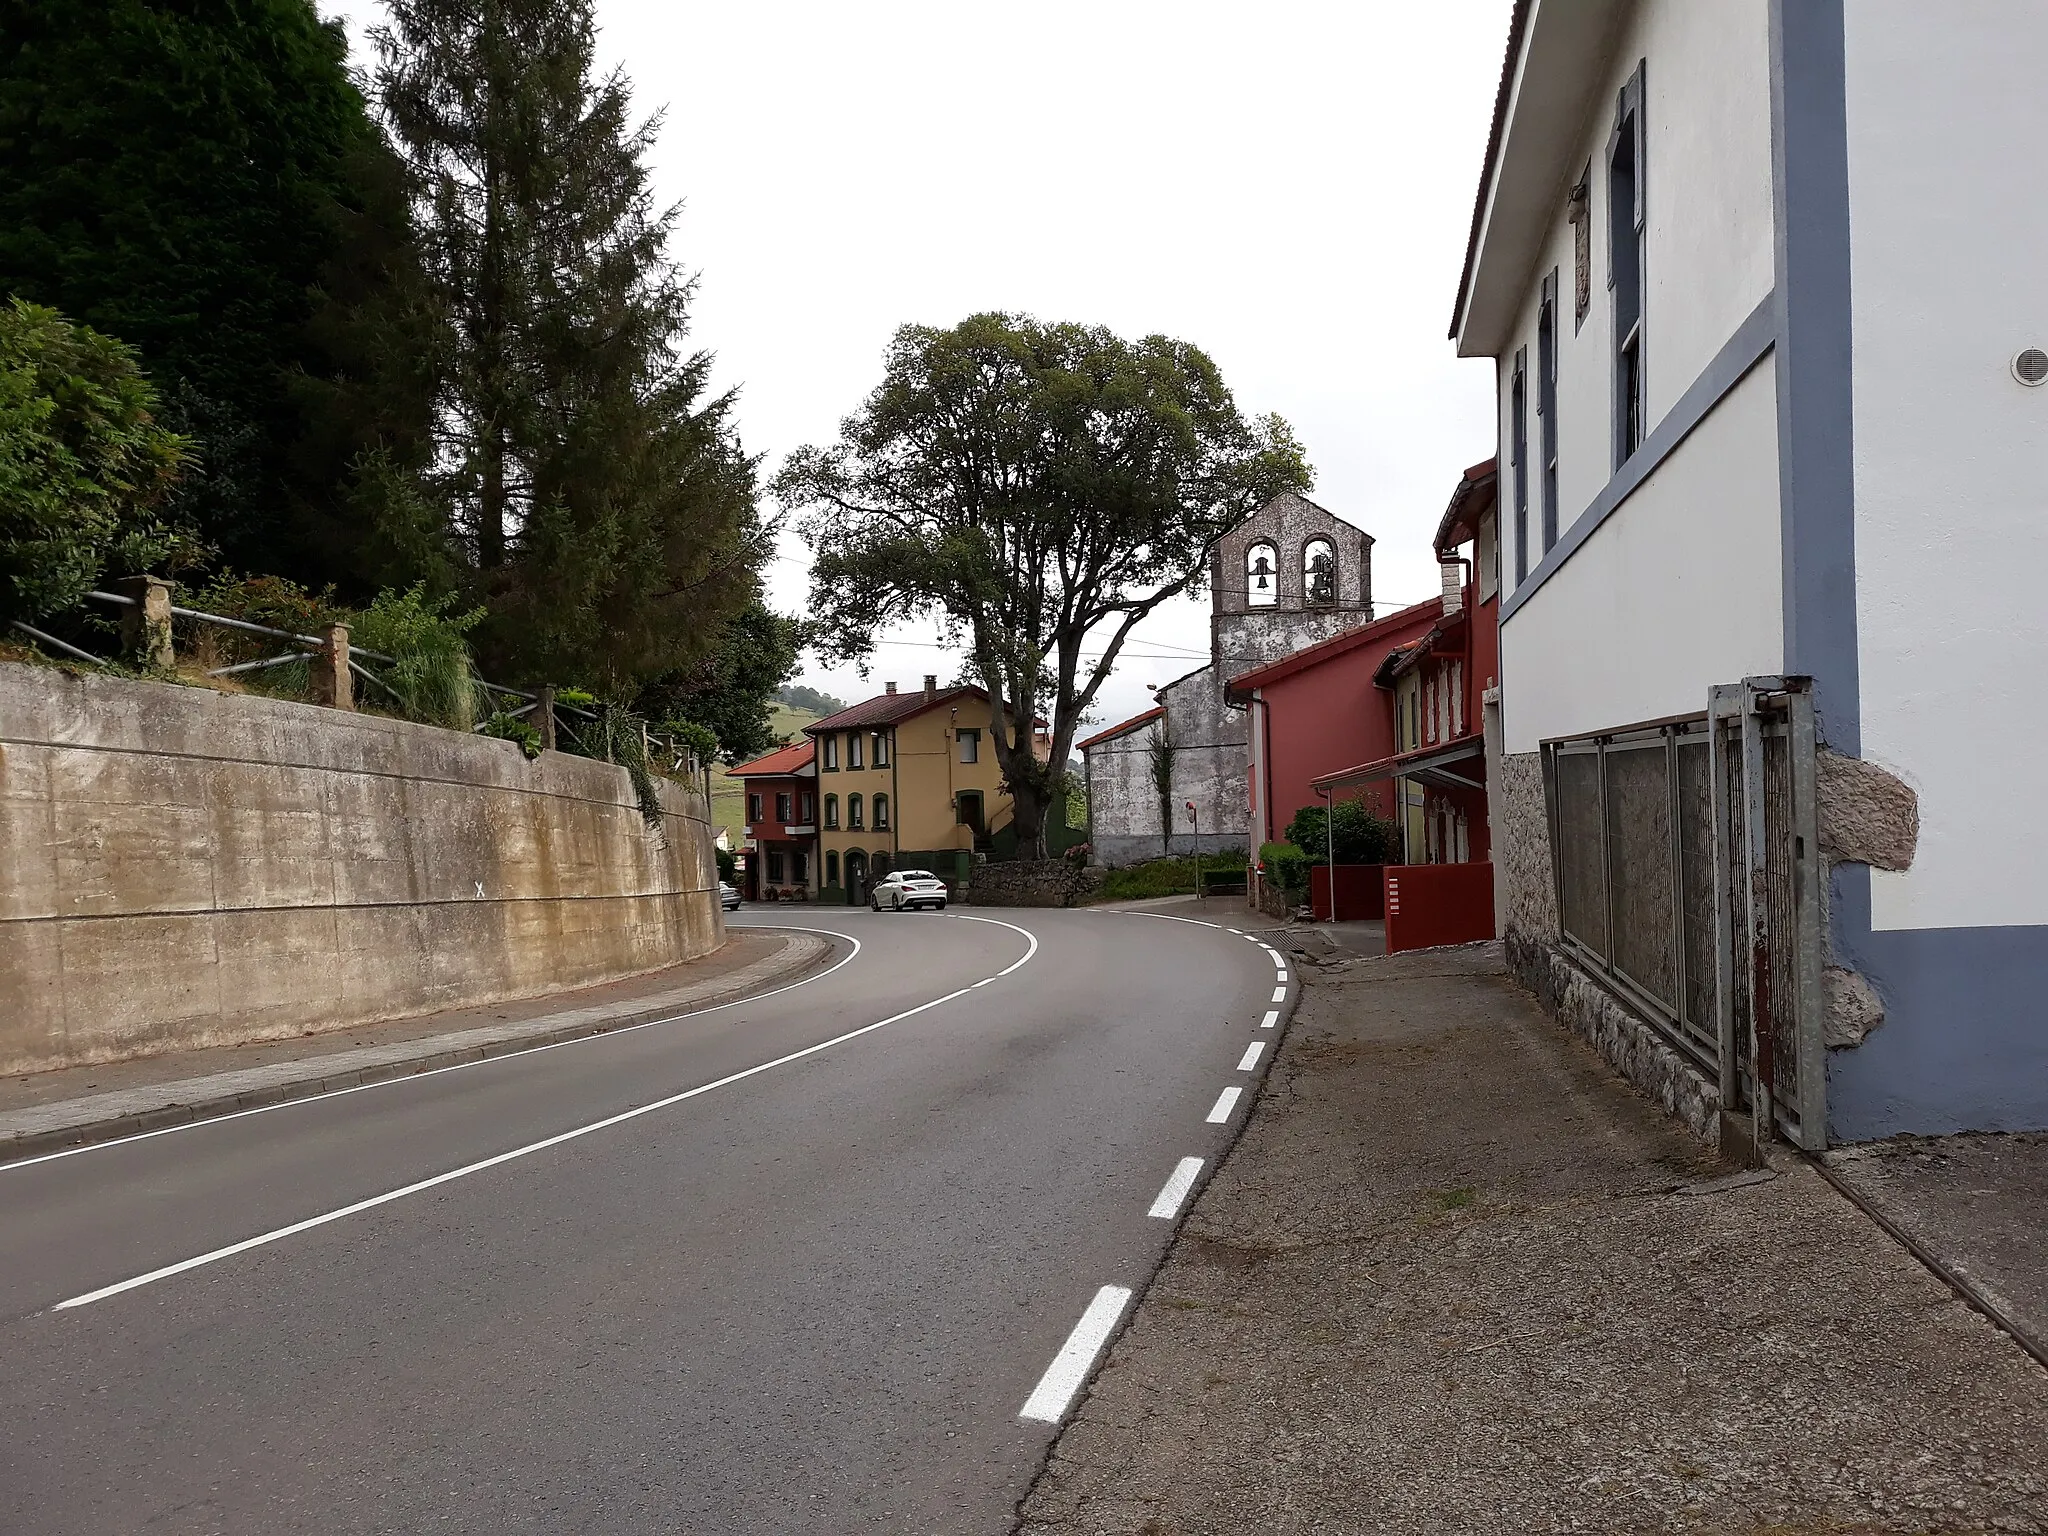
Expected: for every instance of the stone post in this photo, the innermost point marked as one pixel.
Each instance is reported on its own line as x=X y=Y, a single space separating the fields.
x=333 y=684
x=544 y=716
x=146 y=627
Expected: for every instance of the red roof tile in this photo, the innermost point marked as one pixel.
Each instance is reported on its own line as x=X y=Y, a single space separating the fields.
x=889 y=708
x=783 y=760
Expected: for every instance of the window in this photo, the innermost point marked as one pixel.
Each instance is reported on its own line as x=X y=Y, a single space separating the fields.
x=852 y=750
x=1546 y=407
x=881 y=813
x=777 y=872
x=1319 y=572
x=832 y=814
x=1580 y=215
x=783 y=808
x=1518 y=455
x=831 y=864
x=1261 y=575
x=881 y=749
x=970 y=746
x=1625 y=227
x=854 y=821
x=753 y=807
x=829 y=747
x=799 y=867
x=804 y=811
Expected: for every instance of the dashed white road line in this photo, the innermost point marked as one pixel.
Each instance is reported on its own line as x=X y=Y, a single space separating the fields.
x=1251 y=1056
x=1049 y=1400
x=1281 y=978
x=1226 y=1101
x=1178 y=1183
x=1272 y=1018
x=1280 y=994
x=280 y=1233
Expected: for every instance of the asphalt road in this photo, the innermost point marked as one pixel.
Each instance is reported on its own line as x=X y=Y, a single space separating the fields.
x=777 y=1269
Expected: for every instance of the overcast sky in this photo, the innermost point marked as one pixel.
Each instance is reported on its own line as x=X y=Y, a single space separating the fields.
x=1287 y=186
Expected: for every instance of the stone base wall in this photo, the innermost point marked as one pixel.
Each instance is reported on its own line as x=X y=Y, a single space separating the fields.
x=1030 y=883
x=180 y=869
x=1637 y=1051
x=1520 y=825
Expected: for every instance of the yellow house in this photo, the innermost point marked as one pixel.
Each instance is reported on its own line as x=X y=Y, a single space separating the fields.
x=905 y=781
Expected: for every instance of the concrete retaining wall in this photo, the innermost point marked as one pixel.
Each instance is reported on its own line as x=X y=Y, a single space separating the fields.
x=180 y=868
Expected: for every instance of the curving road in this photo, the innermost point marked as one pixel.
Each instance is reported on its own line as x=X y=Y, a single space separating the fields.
x=798 y=1263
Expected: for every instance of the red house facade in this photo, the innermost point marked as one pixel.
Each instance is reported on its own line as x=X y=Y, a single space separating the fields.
x=782 y=823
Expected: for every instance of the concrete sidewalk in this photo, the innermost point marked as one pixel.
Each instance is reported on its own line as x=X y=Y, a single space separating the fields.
x=47 y=1111
x=1456 y=1277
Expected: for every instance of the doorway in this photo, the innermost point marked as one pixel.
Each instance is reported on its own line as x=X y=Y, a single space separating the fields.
x=856 y=878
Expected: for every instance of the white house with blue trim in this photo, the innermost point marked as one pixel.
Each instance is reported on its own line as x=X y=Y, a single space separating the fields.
x=1766 y=284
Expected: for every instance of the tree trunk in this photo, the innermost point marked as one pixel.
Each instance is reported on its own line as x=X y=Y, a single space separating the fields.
x=1027 y=815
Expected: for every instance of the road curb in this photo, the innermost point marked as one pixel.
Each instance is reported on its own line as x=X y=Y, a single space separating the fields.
x=800 y=953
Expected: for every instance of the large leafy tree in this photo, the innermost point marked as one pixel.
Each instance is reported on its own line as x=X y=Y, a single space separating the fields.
x=598 y=499
x=175 y=174
x=728 y=690
x=1036 y=489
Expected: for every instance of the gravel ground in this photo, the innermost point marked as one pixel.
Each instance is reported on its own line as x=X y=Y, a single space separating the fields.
x=1457 y=1277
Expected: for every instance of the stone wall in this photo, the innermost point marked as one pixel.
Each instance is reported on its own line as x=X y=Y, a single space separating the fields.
x=180 y=868
x=1521 y=846
x=1030 y=883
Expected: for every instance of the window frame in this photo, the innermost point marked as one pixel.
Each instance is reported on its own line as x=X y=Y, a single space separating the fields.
x=881 y=810
x=831 y=813
x=754 y=807
x=853 y=752
x=881 y=752
x=785 y=806
x=1546 y=410
x=1308 y=548
x=1272 y=599
x=1518 y=457
x=832 y=866
x=1628 y=268
x=856 y=813
x=828 y=752
x=968 y=739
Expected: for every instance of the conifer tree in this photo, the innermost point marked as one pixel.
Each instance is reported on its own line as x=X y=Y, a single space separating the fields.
x=601 y=502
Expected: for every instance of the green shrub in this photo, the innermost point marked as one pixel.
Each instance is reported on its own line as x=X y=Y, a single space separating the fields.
x=1162 y=877
x=1361 y=837
x=430 y=677
x=1287 y=867
x=83 y=464
x=728 y=865
x=509 y=727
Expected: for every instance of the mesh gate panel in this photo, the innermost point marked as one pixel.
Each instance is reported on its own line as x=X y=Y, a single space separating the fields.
x=1581 y=895
x=1696 y=892
x=1639 y=867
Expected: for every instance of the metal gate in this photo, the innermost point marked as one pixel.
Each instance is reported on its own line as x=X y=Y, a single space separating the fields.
x=1767 y=905
x=1688 y=879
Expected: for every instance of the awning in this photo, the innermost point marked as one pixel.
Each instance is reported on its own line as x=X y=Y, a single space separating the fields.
x=1449 y=766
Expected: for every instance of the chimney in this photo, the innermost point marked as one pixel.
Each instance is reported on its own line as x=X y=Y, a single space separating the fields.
x=888 y=687
x=931 y=686
x=1454 y=586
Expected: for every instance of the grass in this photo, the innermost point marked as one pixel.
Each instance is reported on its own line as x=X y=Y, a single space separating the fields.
x=1162 y=877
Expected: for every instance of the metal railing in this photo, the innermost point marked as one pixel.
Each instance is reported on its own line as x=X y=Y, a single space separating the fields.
x=660 y=747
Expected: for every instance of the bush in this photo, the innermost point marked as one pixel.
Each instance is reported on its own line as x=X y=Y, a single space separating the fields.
x=430 y=677
x=1162 y=877
x=728 y=865
x=510 y=727
x=83 y=464
x=1361 y=836
x=1287 y=867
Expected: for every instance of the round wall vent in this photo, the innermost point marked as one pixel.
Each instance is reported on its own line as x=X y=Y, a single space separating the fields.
x=2031 y=367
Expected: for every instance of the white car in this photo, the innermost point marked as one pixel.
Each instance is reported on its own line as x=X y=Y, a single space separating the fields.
x=905 y=890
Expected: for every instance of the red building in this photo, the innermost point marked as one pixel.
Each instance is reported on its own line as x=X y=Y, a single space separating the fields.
x=782 y=823
x=1393 y=713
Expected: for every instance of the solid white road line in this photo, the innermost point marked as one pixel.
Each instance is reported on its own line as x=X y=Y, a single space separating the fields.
x=1178 y=1183
x=1280 y=994
x=1062 y=1379
x=1270 y=1019
x=416 y=1077
x=528 y=1150
x=1226 y=1101
x=1251 y=1056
